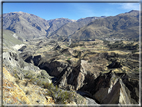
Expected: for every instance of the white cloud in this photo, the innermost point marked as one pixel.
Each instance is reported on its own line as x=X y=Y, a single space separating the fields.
x=130 y=6
x=127 y=6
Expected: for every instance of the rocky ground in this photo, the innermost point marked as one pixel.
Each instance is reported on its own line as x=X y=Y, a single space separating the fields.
x=25 y=83
x=86 y=72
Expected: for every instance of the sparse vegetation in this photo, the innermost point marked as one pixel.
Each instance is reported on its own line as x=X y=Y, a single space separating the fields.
x=64 y=97
x=69 y=58
x=9 y=40
x=29 y=75
x=61 y=96
x=90 y=61
x=17 y=81
x=120 y=45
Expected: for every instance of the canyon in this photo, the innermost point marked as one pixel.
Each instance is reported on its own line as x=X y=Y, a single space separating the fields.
x=63 y=61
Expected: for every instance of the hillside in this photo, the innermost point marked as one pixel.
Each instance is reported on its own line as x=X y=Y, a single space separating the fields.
x=69 y=28
x=30 y=26
x=11 y=39
x=24 y=24
x=123 y=26
x=56 y=24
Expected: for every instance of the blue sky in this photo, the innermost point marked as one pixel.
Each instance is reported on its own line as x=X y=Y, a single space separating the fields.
x=73 y=11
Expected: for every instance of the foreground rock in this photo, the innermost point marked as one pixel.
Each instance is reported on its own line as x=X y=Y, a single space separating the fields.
x=33 y=84
x=115 y=90
x=14 y=93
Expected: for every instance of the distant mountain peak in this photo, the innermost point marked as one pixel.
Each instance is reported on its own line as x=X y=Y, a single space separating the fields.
x=21 y=12
x=24 y=24
x=74 y=20
x=133 y=11
x=18 y=12
x=103 y=16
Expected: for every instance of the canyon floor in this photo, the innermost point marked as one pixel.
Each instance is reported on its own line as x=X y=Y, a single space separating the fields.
x=46 y=71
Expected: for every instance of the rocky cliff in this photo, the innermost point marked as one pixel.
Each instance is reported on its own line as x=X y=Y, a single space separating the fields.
x=102 y=76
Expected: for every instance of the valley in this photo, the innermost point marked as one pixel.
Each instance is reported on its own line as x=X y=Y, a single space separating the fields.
x=80 y=66
x=96 y=62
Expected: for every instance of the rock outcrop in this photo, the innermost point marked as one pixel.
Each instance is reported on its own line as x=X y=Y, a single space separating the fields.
x=18 y=94
x=103 y=76
x=115 y=90
x=20 y=69
x=12 y=93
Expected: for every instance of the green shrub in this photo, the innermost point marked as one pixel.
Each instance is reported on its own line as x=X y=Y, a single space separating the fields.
x=58 y=95
x=90 y=61
x=69 y=58
x=106 y=42
x=29 y=76
x=47 y=85
x=64 y=97
x=16 y=76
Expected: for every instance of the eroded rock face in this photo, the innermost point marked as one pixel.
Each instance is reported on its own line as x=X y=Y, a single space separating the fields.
x=104 y=88
x=104 y=77
x=76 y=77
x=115 y=90
x=17 y=67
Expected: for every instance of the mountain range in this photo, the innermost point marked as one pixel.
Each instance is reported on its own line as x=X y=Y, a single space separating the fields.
x=69 y=28
x=25 y=25
x=124 y=26
x=64 y=61
x=29 y=26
